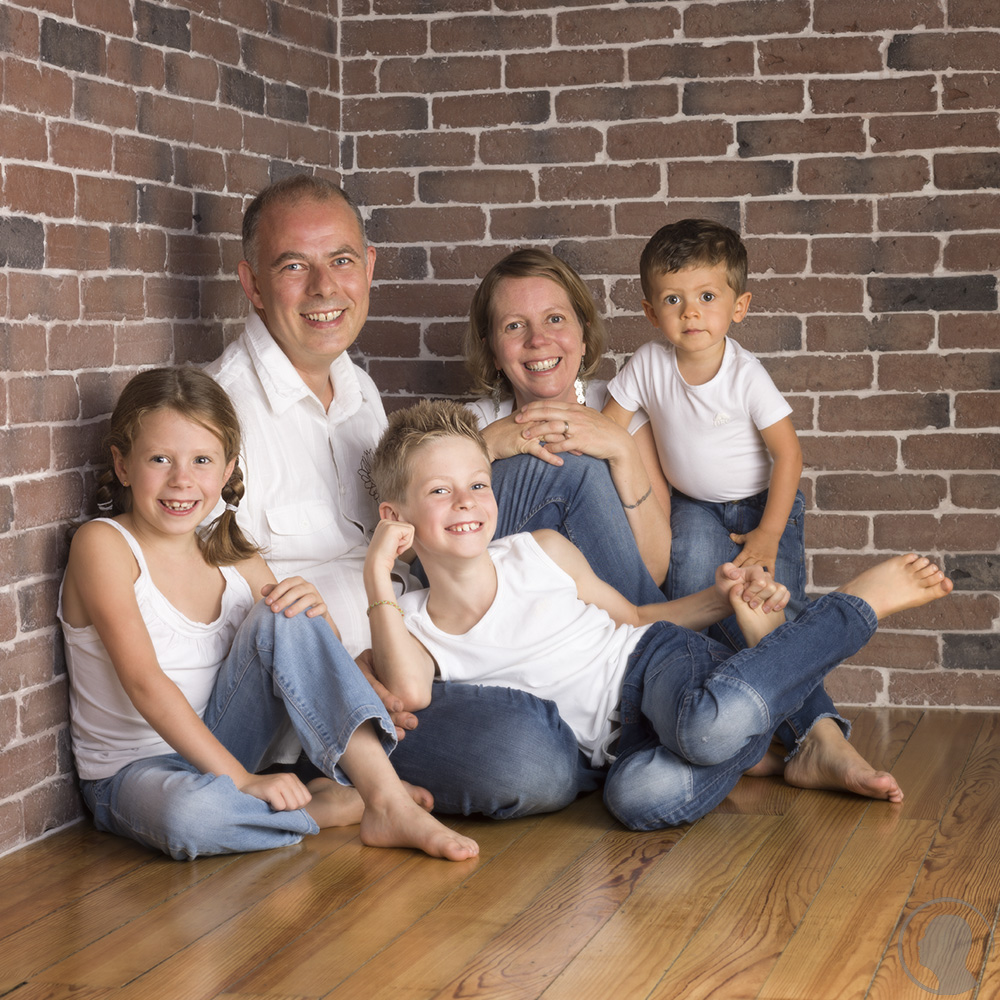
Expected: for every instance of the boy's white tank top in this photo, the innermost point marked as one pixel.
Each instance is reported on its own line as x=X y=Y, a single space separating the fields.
x=107 y=731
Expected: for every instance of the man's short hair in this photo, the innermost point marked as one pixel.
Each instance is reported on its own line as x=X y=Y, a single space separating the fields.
x=693 y=243
x=296 y=187
x=430 y=420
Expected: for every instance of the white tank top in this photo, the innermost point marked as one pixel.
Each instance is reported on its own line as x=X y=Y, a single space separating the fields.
x=539 y=637
x=107 y=731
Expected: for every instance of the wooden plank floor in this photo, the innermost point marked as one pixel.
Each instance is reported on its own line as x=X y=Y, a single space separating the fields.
x=780 y=893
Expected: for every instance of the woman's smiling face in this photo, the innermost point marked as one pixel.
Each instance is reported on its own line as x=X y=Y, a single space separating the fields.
x=537 y=339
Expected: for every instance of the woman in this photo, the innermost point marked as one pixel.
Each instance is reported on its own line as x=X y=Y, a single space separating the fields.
x=533 y=343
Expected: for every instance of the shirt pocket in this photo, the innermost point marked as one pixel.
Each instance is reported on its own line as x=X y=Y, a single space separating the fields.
x=304 y=533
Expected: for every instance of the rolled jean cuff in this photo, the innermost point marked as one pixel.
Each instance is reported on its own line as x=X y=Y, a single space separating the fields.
x=845 y=728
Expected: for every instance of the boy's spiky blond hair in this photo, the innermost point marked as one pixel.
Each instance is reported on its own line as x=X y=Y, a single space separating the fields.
x=408 y=429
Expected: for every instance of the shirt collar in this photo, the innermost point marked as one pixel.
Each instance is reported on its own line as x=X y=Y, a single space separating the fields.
x=284 y=386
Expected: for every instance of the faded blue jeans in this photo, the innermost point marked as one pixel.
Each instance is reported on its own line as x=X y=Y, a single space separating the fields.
x=696 y=715
x=506 y=753
x=278 y=669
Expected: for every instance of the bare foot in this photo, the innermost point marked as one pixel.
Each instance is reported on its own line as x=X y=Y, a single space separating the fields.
x=772 y=763
x=334 y=804
x=900 y=583
x=754 y=622
x=395 y=820
x=826 y=760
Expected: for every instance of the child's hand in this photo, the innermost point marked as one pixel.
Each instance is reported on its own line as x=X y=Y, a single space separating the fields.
x=389 y=541
x=393 y=705
x=759 y=587
x=292 y=596
x=759 y=549
x=282 y=792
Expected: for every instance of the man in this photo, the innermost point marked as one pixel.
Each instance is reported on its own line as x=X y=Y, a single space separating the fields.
x=310 y=418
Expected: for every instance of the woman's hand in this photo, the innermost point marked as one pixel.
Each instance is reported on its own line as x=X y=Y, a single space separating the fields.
x=292 y=596
x=508 y=437
x=572 y=427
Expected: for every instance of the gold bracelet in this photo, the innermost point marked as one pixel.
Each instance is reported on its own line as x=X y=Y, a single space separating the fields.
x=642 y=499
x=391 y=604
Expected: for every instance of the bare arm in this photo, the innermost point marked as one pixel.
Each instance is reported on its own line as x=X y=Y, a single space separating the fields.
x=99 y=582
x=760 y=546
x=401 y=662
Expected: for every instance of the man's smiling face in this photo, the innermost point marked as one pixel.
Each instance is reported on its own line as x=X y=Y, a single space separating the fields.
x=311 y=281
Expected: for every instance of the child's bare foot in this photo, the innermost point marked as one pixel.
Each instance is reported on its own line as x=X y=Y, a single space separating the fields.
x=754 y=622
x=334 y=804
x=900 y=583
x=395 y=820
x=772 y=763
x=826 y=760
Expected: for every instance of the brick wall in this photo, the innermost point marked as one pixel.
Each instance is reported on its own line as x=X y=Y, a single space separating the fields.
x=855 y=145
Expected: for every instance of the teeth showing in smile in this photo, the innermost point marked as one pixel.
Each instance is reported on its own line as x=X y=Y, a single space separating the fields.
x=467 y=526
x=325 y=317
x=541 y=366
x=178 y=504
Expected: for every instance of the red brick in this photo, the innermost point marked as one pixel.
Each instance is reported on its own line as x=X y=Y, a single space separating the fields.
x=52 y=804
x=891 y=332
x=888 y=255
x=173 y=298
x=43 y=296
x=74 y=347
x=201 y=169
x=928 y=533
x=70 y=247
x=251 y=14
x=977 y=409
x=668 y=140
x=420 y=379
x=111 y=16
x=387 y=37
x=145 y=343
x=166 y=117
x=602 y=182
x=962 y=91
x=835 y=531
x=771 y=335
x=445 y=73
x=972 y=14
x=490 y=110
x=549 y=222
x=324 y=110
x=901 y=650
x=946 y=50
x=820 y=374
x=862 y=175
x=484 y=33
x=616 y=104
x=816 y=216
x=311 y=28
x=852 y=453
x=69 y=442
x=846 y=55
x=22 y=349
x=692 y=60
x=8 y=632
x=190 y=254
x=731 y=98
x=617 y=26
x=134 y=64
x=558 y=145
x=80 y=147
x=883 y=412
x=805 y=294
x=476 y=186
x=216 y=128
x=922 y=373
x=422 y=225
x=106 y=199
x=39 y=191
x=40 y=400
x=945 y=688
x=40 y=502
x=902 y=132
x=191 y=76
x=951 y=451
x=979 y=252
x=403 y=298
x=854 y=686
x=386 y=114
x=39 y=89
x=867 y=96
x=44 y=708
x=771 y=137
x=215 y=39
x=835 y=491
x=977 y=492
x=23 y=137
x=19 y=32
x=723 y=20
x=359 y=76
x=729 y=178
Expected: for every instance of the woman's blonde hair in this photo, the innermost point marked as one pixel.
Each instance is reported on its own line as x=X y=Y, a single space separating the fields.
x=198 y=397
x=527 y=263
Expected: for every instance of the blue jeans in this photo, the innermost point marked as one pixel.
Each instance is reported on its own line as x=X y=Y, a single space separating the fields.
x=278 y=670
x=506 y=753
x=695 y=715
x=700 y=543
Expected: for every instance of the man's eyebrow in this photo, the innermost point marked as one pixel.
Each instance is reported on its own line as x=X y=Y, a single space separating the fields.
x=287 y=255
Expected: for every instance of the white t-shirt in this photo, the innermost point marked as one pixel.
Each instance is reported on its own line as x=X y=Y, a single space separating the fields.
x=107 y=730
x=539 y=637
x=707 y=436
x=307 y=501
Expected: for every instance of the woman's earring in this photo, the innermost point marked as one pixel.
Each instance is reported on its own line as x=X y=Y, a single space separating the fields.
x=580 y=386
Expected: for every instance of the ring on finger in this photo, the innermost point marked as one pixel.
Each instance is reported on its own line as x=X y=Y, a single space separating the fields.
x=565 y=428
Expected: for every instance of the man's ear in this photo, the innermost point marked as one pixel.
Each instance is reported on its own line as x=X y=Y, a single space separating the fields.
x=249 y=282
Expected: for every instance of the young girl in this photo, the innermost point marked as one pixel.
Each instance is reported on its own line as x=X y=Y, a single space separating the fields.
x=179 y=680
